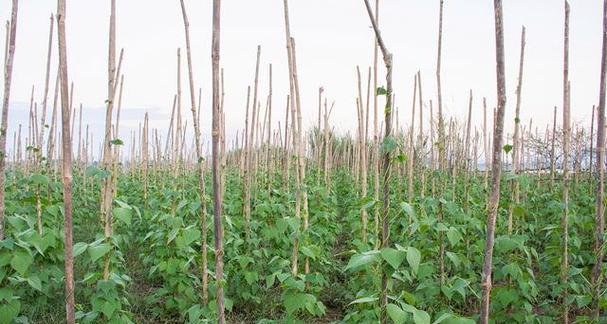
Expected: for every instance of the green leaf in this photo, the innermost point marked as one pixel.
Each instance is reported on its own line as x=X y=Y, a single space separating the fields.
x=389 y=144
x=294 y=301
x=442 y=318
x=518 y=211
x=381 y=91
x=454 y=258
x=368 y=202
x=397 y=315
x=79 y=248
x=309 y=252
x=109 y=307
x=414 y=258
x=116 y=141
x=35 y=282
x=507 y=148
x=407 y=209
x=393 y=257
x=187 y=236
x=6 y=294
x=123 y=214
x=363 y=259
x=454 y=236
x=40 y=179
x=21 y=261
x=363 y=300
x=421 y=317
x=9 y=311
x=97 y=251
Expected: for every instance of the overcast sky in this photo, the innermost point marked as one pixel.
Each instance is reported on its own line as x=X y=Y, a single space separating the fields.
x=332 y=37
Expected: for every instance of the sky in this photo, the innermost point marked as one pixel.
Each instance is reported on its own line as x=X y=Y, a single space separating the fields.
x=332 y=38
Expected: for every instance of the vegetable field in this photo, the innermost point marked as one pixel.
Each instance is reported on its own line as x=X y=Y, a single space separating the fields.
x=426 y=221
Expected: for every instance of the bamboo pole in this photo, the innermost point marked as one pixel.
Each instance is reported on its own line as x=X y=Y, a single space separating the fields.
x=421 y=144
x=517 y=147
x=66 y=164
x=362 y=163
x=8 y=73
x=591 y=142
x=552 y=150
x=386 y=160
x=441 y=124
x=217 y=199
x=249 y=144
x=467 y=159
x=485 y=144
x=496 y=162
x=376 y=158
x=46 y=83
x=411 y=152
x=565 y=167
x=199 y=162
x=597 y=274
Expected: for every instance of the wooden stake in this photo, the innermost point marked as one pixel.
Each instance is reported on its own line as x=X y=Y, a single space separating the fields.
x=8 y=69
x=66 y=165
x=217 y=199
x=597 y=274
x=496 y=162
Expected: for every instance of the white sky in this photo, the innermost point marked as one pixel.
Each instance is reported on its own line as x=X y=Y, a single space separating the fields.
x=332 y=37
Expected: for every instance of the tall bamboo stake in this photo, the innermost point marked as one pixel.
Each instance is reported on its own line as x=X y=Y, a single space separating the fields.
x=46 y=82
x=376 y=158
x=485 y=143
x=591 y=142
x=496 y=162
x=217 y=199
x=199 y=162
x=597 y=275
x=441 y=124
x=66 y=165
x=386 y=159
x=517 y=149
x=250 y=144
x=8 y=74
x=565 y=167
x=421 y=144
x=411 y=152
x=552 y=150
x=467 y=159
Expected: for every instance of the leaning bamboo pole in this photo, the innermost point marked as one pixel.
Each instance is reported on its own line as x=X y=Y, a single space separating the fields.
x=294 y=132
x=411 y=153
x=362 y=158
x=46 y=82
x=517 y=147
x=199 y=161
x=107 y=159
x=496 y=162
